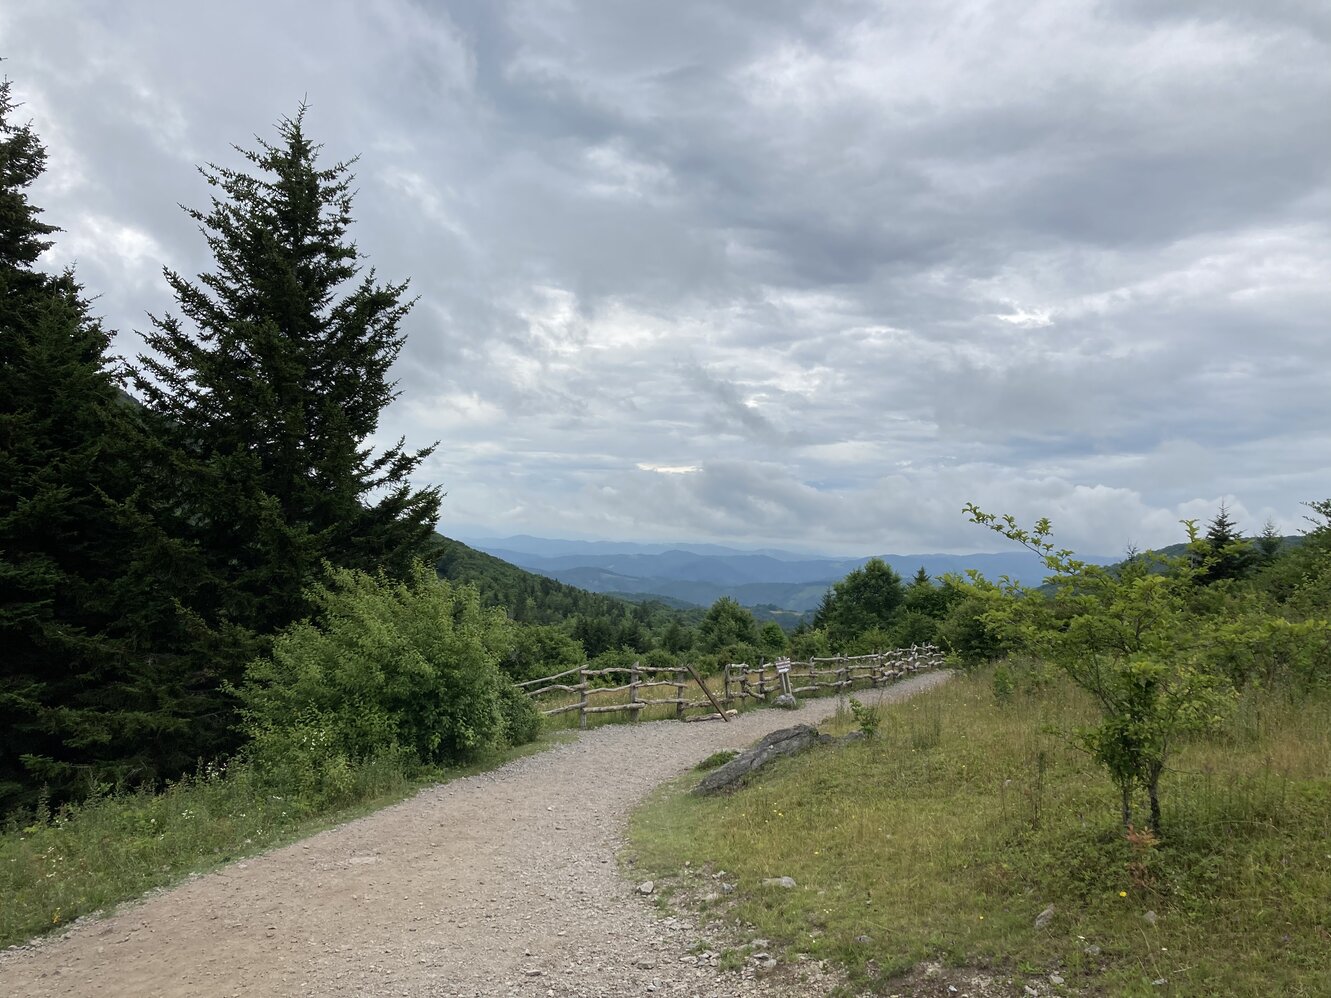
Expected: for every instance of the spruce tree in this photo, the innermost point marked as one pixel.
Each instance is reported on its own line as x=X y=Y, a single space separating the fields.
x=1230 y=555
x=866 y=598
x=273 y=380
x=96 y=683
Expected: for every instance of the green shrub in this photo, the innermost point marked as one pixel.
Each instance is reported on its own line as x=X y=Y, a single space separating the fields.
x=538 y=651
x=385 y=668
x=867 y=718
x=522 y=718
x=963 y=631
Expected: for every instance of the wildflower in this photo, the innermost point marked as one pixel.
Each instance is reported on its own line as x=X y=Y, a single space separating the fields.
x=1122 y=894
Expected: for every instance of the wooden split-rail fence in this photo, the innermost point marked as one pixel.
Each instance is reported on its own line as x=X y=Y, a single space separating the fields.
x=595 y=691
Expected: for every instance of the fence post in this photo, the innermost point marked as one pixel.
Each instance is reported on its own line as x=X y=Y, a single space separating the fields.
x=633 y=693
x=762 y=682
x=679 y=694
x=843 y=676
x=582 y=712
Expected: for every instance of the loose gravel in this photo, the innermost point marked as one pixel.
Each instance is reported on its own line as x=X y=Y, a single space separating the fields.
x=499 y=884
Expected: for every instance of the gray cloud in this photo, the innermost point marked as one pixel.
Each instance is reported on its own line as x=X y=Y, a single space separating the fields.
x=777 y=273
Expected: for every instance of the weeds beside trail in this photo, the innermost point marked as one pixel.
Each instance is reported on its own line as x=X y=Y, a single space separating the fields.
x=969 y=814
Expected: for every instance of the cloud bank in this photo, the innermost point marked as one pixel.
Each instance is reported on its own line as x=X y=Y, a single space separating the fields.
x=809 y=275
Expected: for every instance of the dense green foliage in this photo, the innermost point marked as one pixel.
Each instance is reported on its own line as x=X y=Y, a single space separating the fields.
x=530 y=598
x=871 y=610
x=97 y=681
x=382 y=668
x=865 y=600
x=726 y=625
x=271 y=388
x=564 y=626
x=149 y=551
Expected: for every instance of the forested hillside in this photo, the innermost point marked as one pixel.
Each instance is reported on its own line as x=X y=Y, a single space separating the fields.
x=529 y=598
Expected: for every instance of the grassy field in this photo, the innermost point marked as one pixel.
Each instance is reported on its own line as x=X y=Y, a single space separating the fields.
x=95 y=855
x=943 y=838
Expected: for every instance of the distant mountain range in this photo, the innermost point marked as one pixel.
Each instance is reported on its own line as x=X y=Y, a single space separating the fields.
x=700 y=574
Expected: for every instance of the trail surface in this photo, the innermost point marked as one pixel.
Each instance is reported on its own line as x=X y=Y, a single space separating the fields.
x=504 y=883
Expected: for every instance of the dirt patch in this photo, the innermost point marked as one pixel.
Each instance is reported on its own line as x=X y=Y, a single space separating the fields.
x=503 y=883
x=932 y=980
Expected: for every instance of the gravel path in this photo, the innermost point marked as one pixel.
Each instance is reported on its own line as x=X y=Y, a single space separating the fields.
x=502 y=884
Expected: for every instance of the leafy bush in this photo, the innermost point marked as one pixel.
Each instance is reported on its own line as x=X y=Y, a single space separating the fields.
x=522 y=718
x=963 y=631
x=867 y=718
x=385 y=668
x=1129 y=637
x=809 y=643
x=868 y=642
x=541 y=650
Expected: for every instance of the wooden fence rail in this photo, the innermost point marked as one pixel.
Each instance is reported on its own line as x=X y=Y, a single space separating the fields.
x=739 y=682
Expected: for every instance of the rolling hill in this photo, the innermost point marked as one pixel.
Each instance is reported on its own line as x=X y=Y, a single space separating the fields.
x=702 y=574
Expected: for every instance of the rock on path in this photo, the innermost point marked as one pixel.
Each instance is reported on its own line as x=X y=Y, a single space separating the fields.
x=504 y=883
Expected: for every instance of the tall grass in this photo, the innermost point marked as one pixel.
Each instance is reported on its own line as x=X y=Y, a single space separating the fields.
x=970 y=813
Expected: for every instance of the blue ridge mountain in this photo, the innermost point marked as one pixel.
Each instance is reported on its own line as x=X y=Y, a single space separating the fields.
x=702 y=574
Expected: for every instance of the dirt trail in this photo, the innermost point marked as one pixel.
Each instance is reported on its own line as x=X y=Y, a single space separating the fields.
x=503 y=883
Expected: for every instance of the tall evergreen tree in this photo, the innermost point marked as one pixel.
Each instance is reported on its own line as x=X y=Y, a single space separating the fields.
x=1269 y=540
x=866 y=598
x=95 y=683
x=1230 y=555
x=273 y=385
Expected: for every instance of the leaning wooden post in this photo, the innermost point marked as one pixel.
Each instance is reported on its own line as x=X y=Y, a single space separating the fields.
x=633 y=692
x=679 y=694
x=585 y=687
x=698 y=679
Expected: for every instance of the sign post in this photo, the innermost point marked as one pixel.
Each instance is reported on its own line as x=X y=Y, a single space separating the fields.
x=783 y=670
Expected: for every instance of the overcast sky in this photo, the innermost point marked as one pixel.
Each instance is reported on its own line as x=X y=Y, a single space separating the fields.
x=800 y=274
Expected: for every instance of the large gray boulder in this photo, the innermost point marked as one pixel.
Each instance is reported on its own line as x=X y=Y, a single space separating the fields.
x=787 y=741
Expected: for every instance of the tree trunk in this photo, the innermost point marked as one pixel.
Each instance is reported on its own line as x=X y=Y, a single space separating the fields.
x=1153 y=791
